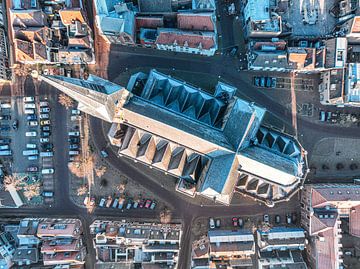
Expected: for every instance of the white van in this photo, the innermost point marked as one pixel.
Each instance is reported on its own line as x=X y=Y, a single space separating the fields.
x=29 y=105
x=29 y=99
x=31 y=146
x=47 y=171
x=29 y=111
x=74 y=133
x=31 y=134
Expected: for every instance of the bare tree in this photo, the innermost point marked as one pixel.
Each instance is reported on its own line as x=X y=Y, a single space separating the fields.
x=82 y=190
x=100 y=171
x=32 y=190
x=122 y=186
x=80 y=165
x=165 y=216
x=13 y=180
x=65 y=100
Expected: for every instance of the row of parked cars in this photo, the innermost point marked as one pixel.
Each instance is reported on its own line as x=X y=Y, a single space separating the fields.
x=74 y=137
x=35 y=122
x=5 y=122
x=238 y=222
x=265 y=82
x=122 y=203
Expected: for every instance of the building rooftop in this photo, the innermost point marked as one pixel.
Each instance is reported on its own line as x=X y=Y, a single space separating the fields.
x=155 y=6
x=68 y=16
x=196 y=21
x=167 y=36
x=59 y=228
x=24 y=254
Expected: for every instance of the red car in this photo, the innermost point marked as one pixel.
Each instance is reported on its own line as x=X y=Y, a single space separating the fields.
x=92 y=201
x=235 y=221
x=148 y=203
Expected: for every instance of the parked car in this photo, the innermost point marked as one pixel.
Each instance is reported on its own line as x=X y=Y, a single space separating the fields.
x=129 y=204
x=266 y=218
x=44 y=110
x=136 y=204
x=47 y=146
x=115 y=203
x=31 y=117
x=5 y=117
x=217 y=223
x=153 y=205
x=104 y=154
x=29 y=111
x=102 y=202
x=48 y=193
x=45 y=128
x=45 y=122
x=44 y=116
x=74 y=140
x=257 y=81
x=44 y=140
x=273 y=82
x=262 y=82
x=32 y=169
x=73 y=146
x=5 y=141
x=121 y=203
x=28 y=99
x=211 y=223
x=288 y=219
x=4 y=128
x=141 y=203
x=29 y=106
x=322 y=116
x=241 y=223
x=32 y=123
x=30 y=134
x=277 y=219
x=47 y=171
x=75 y=112
x=268 y=82
x=109 y=201
x=148 y=203
x=74 y=133
x=235 y=221
x=32 y=158
x=45 y=134
x=44 y=104
x=92 y=201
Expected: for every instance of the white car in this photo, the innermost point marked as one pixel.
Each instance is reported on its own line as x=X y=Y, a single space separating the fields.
x=29 y=111
x=44 y=116
x=44 y=110
x=47 y=171
x=75 y=112
x=28 y=99
x=44 y=104
x=29 y=105
x=74 y=133
x=211 y=223
x=31 y=134
x=44 y=140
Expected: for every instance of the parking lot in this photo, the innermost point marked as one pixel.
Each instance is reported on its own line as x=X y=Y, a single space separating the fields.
x=26 y=131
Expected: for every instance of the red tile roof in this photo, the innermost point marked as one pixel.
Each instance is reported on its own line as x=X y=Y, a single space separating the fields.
x=355 y=221
x=193 y=21
x=356 y=25
x=149 y=22
x=184 y=39
x=49 y=246
x=69 y=15
x=317 y=225
x=24 y=50
x=326 y=254
x=322 y=196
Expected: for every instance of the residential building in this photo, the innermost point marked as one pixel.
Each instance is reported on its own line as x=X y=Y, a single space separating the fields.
x=323 y=206
x=158 y=24
x=261 y=20
x=25 y=256
x=54 y=33
x=53 y=228
x=216 y=130
x=146 y=244
x=27 y=232
x=7 y=249
x=232 y=249
x=281 y=247
x=5 y=71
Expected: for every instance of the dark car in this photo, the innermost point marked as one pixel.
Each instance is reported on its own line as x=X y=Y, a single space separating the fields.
x=73 y=146
x=5 y=128
x=5 y=141
x=45 y=128
x=262 y=82
x=45 y=134
x=257 y=81
x=74 y=139
x=273 y=82
x=15 y=124
x=277 y=219
x=268 y=82
x=5 y=117
x=47 y=146
x=31 y=117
